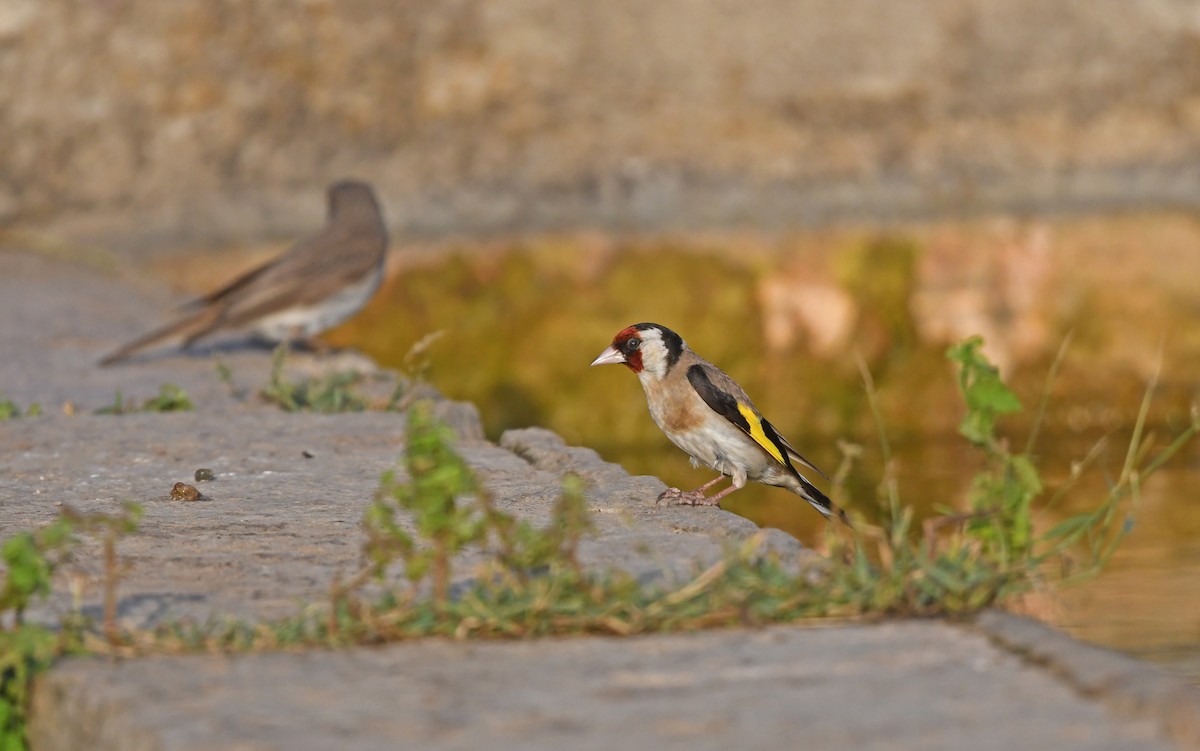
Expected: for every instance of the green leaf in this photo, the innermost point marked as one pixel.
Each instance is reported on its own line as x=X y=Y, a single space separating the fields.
x=1069 y=528
x=989 y=392
x=1026 y=473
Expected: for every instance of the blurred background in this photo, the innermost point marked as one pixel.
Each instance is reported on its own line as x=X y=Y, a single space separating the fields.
x=783 y=183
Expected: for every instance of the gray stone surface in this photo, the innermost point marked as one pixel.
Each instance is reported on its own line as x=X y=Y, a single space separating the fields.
x=282 y=516
x=1120 y=681
x=280 y=521
x=148 y=122
x=893 y=686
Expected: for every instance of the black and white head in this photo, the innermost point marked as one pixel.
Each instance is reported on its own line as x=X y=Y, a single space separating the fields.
x=648 y=349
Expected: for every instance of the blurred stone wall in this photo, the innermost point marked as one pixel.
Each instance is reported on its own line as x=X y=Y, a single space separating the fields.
x=167 y=123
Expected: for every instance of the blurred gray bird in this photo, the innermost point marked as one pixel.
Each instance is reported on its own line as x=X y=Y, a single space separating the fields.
x=318 y=283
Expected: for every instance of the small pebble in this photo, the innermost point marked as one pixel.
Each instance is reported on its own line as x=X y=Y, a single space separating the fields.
x=184 y=492
x=307 y=454
x=204 y=475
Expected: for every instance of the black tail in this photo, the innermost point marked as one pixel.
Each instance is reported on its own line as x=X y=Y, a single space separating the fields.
x=821 y=502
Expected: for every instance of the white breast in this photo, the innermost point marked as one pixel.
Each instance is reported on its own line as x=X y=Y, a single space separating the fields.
x=302 y=322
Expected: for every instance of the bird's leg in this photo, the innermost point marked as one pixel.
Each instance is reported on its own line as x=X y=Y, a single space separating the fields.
x=675 y=496
x=715 y=500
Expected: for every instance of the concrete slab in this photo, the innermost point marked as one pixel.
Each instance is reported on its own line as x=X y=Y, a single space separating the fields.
x=907 y=685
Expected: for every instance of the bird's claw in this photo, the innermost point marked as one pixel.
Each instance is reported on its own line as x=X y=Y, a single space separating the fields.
x=670 y=496
x=677 y=497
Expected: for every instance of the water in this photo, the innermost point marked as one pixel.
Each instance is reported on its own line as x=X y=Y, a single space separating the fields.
x=1147 y=601
x=786 y=317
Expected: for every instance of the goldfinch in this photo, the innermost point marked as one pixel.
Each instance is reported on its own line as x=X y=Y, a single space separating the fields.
x=705 y=413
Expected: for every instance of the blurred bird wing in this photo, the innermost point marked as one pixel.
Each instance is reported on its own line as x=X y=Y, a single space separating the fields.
x=308 y=273
x=726 y=398
x=231 y=287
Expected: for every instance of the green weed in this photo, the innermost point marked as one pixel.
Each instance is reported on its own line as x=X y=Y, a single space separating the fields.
x=171 y=398
x=414 y=373
x=1002 y=493
x=437 y=479
x=9 y=410
x=25 y=651
x=327 y=394
x=108 y=529
x=225 y=376
x=340 y=392
x=30 y=561
x=958 y=562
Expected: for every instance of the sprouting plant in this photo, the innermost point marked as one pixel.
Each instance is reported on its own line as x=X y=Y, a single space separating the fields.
x=434 y=494
x=225 y=376
x=524 y=548
x=109 y=528
x=118 y=407
x=171 y=398
x=10 y=410
x=328 y=394
x=1001 y=494
x=25 y=651
x=414 y=372
x=961 y=561
x=1101 y=530
x=30 y=559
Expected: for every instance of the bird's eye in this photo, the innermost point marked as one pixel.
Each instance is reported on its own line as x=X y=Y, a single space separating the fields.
x=633 y=344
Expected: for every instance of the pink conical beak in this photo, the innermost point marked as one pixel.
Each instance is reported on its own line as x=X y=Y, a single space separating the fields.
x=609 y=356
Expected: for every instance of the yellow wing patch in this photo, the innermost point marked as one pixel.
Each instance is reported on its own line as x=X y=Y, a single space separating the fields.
x=757 y=433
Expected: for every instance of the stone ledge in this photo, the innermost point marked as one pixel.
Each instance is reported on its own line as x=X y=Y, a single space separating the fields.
x=1126 y=684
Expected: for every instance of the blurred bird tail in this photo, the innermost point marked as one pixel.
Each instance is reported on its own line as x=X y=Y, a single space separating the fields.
x=190 y=328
